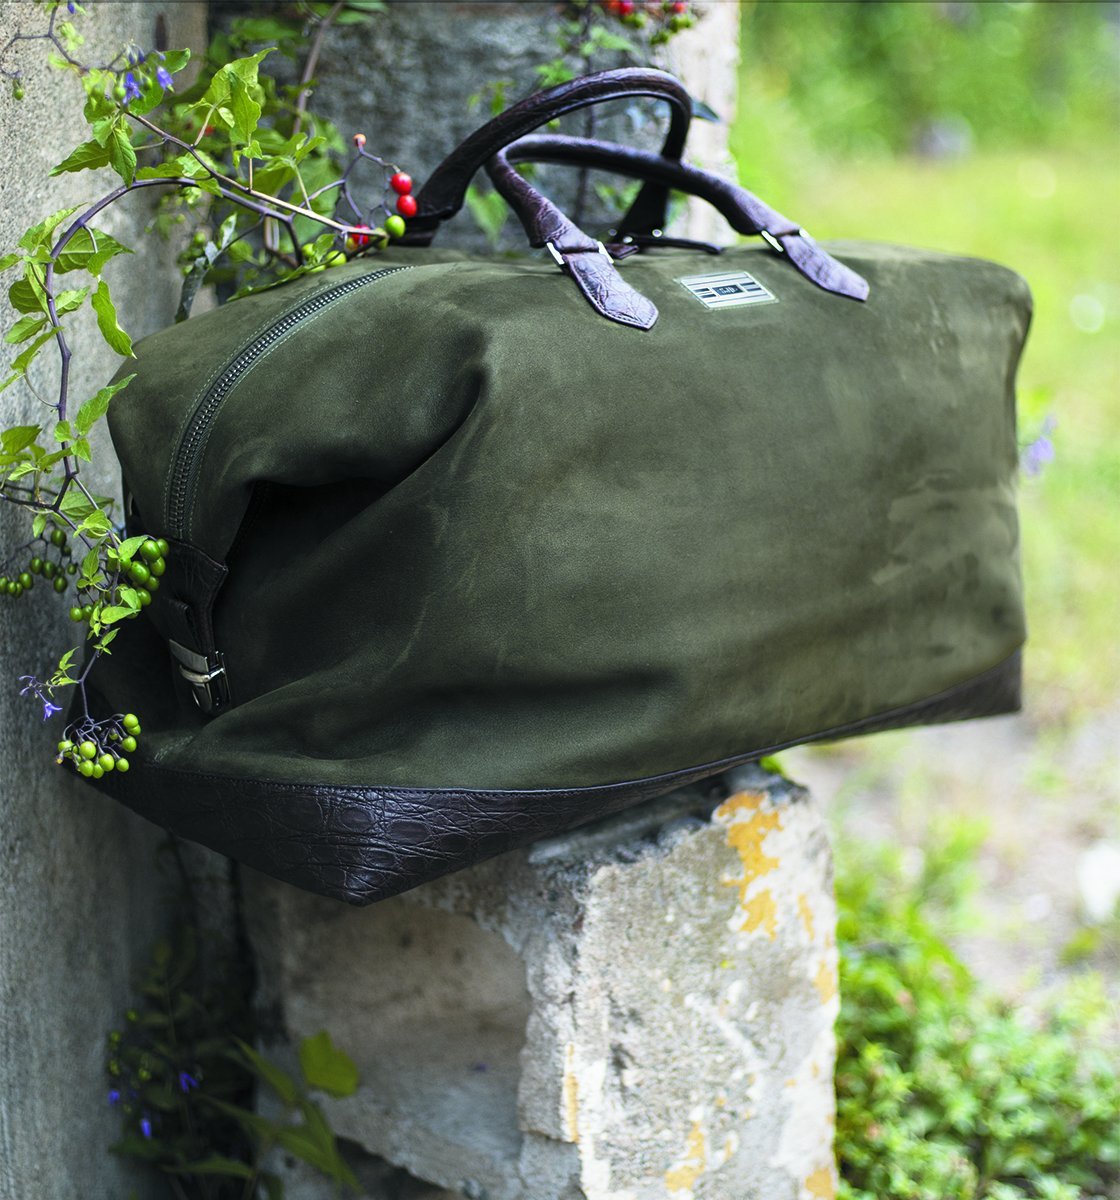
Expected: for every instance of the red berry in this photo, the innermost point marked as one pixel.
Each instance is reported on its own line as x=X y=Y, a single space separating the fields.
x=406 y=206
x=401 y=183
x=679 y=6
x=626 y=7
x=359 y=140
x=356 y=240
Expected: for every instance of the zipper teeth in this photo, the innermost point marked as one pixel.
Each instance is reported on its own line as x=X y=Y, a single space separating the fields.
x=197 y=432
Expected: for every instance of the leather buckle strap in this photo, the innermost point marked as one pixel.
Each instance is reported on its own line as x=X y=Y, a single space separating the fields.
x=206 y=675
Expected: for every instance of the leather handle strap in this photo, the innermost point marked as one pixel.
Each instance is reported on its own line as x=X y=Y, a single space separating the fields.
x=443 y=193
x=745 y=212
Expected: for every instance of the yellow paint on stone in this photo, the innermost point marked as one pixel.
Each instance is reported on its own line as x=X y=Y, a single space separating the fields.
x=761 y=913
x=571 y=1095
x=821 y=1185
x=684 y=1175
x=825 y=981
x=806 y=914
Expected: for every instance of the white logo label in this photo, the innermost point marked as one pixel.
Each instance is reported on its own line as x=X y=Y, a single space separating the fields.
x=728 y=289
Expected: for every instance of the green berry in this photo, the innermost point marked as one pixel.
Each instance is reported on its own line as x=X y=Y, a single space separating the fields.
x=129 y=744
x=131 y=722
x=15 y=588
x=86 y=768
x=71 y=568
x=36 y=566
x=158 y=567
x=26 y=581
x=106 y=762
x=150 y=550
x=144 y=596
x=122 y=764
x=140 y=573
x=87 y=611
x=50 y=570
x=153 y=584
x=98 y=771
x=65 y=746
x=394 y=226
x=87 y=750
x=58 y=537
x=76 y=614
x=60 y=584
x=164 y=548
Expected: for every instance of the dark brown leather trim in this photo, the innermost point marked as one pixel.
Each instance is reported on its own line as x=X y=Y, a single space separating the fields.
x=365 y=844
x=744 y=211
x=443 y=193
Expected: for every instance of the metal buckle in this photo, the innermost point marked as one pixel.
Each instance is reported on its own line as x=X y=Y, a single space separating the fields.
x=206 y=675
x=773 y=242
x=559 y=258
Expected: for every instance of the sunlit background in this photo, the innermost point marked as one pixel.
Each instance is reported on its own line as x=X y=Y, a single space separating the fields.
x=990 y=130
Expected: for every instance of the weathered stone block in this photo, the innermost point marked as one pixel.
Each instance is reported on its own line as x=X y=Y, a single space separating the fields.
x=642 y=1008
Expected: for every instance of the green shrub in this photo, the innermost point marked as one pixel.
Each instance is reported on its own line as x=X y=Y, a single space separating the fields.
x=944 y=1090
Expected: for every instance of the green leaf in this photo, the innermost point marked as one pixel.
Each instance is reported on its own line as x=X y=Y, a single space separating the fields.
x=62 y=432
x=19 y=437
x=19 y=367
x=38 y=524
x=68 y=301
x=97 y=524
x=116 y=612
x=89 y=249
x=96 y=407
x=327 y=1068
x=9 y=260
x=24 y=328
x=217 y=1165
x=246 y=111
x=280 y=1081
x=129 y=546
x=40 y=235
x=172 y=169
x=80 y=449
x=107 y=321
x=86 y=157
x=122 y=157
x=26 y=295
x=175 y=60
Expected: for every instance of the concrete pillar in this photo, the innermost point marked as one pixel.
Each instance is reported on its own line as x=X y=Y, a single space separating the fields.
x=639 y=1009
x=80 y=896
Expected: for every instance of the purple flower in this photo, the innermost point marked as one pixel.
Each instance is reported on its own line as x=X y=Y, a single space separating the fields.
x=71 y=7
x=50 y=709
x=114 y=1097
x=163 y=78
x=131 y=88
x=1038 y=453
x=186 y=1082
x=146 y=1127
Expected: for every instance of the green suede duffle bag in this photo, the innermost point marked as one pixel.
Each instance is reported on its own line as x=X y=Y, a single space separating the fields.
x=467 y=550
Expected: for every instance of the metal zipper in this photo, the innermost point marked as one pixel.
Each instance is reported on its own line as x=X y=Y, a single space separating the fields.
x=185 y=464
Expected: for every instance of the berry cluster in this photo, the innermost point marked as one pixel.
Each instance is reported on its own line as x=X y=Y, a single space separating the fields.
x=95 y=747
x=42 y=565
x=142 y=574
x=670 y=15
x=398 y=191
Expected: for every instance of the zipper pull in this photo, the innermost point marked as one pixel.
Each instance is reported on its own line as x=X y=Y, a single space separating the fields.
x=207 y=676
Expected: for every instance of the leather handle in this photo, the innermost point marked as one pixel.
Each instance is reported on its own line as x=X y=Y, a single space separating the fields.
x=443 y=193
x=746 y=213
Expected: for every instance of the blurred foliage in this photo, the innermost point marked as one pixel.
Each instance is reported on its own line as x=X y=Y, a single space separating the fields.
x=943 y=1090
x=827 y=89
x=887 y=77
